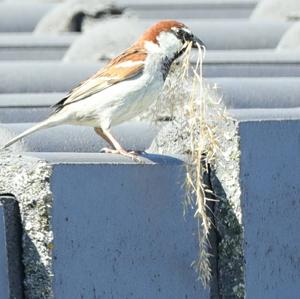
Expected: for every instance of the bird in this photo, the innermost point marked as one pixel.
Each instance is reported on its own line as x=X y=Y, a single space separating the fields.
x=124 y=88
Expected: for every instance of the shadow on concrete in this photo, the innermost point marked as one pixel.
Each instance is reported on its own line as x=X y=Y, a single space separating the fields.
x=27 y=274
x=13 y=238
x=228 y=241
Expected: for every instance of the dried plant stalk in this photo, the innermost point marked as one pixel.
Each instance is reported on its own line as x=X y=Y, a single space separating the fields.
x=198 y=117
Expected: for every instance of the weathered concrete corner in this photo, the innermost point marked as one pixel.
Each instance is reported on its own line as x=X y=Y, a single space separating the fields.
x=27 y=179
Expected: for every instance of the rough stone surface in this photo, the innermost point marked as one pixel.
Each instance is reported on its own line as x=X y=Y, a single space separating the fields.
x=28 y=180
x=276 y=10
x=227 y=212
x=225 y=178
x=70 y=15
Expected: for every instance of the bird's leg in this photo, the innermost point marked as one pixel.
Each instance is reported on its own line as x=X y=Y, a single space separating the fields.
x=117 y=148
x=100 y=132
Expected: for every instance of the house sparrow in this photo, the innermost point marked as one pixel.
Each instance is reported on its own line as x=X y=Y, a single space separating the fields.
x=125 y=87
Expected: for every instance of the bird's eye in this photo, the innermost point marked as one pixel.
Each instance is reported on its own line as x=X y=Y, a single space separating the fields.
x=183 y=35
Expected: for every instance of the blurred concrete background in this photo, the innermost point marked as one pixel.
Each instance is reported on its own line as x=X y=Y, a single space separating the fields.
x=115 y=229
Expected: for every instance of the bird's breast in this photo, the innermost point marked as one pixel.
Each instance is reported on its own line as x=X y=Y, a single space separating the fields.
x=139 y=100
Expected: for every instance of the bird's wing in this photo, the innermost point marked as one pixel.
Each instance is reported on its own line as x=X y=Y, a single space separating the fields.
x=125 y=66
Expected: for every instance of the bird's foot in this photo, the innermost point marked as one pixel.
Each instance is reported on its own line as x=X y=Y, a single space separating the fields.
x=130 y=154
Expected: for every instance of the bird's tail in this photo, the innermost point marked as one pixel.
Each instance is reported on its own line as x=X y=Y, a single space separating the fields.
x=50 y=122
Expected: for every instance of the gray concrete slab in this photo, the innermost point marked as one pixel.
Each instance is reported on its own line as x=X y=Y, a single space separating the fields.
x=34 y=11
x=49 y=76
x=269 y=175
x=43 y=76
x=190 y=9
x=216 y=34
x=26 y=107
x=137 y=234
x=236 y=93
x=117 y=221
x=11 y=270
x=263 y=93
x=26 y=46
x=4 y=280
x=235 y=34
x=132 y=135
x=21 y=16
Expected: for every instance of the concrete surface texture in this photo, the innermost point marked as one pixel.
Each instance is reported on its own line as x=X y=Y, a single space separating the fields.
x=13 y=247
x=142 y=242
x=249 y=93
x=99 y=44
x=132 y=135
x=190 y=9
x=46 y=76
x=26 y=46
x=224 y=178
x=251 y=201
x=276 y=10
x=82 y=211
x=4 y=280
x=28 y=180
x=217 y=35
x=148 y=254
x=291 y=39
x=21 y=17
x=270 y=171
x=70 y=15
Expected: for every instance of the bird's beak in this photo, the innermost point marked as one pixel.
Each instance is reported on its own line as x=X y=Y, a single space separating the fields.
x=197 y=42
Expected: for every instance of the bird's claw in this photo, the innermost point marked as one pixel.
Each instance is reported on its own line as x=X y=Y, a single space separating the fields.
x=130 y=154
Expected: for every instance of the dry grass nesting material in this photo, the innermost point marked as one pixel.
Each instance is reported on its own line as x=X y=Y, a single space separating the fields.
x=199 y=115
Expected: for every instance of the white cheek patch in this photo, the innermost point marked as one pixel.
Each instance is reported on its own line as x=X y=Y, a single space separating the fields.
x=169 y=43
x=151 y=47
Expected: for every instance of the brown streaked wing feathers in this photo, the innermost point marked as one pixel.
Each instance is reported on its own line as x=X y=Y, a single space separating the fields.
x=106 y=77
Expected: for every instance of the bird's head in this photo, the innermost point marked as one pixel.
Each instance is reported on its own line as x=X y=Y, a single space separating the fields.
x=170 y=38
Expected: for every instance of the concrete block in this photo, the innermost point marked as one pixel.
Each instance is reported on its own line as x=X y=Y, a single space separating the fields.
x=11 y=267
x=21 y=16
x=25 y=46
x=276 y=10
x=99 y=43
x=105 y=214
x=4 y=280
x=27 y=107
x=235 y=34
x=269 y=172
x=72 y=15
x=137 y=235
x=256 y=182
x=189 y=9
x=132 y=135
x=290 y=40
x=249 y=93
x=13 y=20
x=41 y=77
